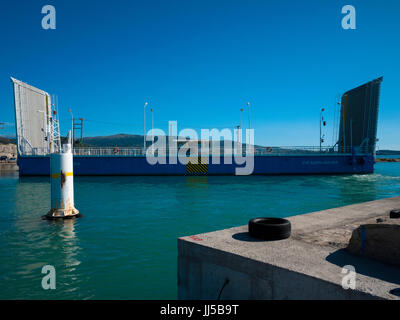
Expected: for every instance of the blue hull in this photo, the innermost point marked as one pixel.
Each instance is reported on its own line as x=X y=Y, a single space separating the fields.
x=263 y=165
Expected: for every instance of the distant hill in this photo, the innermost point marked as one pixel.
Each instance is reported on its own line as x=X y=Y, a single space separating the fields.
x=136 y=141
x=120 y=140
x=5 y=140
x=388 y=152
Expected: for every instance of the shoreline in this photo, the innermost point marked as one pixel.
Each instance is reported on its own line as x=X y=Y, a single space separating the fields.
x=387 y=160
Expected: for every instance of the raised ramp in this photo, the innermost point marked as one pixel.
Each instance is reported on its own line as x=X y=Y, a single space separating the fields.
x=32 y=119
x=359 y=117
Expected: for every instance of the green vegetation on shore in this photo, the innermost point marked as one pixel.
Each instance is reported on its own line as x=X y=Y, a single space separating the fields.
x=133 y=140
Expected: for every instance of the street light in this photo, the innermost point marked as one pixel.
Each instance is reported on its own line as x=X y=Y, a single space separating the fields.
x=144 y=132
x=248 y=105
x=241 y=111
x=321 y=122
x=152 y=120
x=72 y=128
x=152 y=129
x=237 y=135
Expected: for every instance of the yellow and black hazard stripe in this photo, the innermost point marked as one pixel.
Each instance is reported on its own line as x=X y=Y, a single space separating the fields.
x=58 y=175
x=196 y=167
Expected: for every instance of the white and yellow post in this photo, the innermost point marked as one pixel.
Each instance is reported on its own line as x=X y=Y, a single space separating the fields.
x=62 y=184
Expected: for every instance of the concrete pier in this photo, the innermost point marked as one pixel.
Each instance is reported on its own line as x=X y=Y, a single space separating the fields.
x=229 y=264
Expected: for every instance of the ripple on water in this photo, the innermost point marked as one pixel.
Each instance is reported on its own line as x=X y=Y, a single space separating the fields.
x=124 y=247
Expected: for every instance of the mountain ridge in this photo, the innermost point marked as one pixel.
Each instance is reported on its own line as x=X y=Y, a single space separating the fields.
x=134 y=140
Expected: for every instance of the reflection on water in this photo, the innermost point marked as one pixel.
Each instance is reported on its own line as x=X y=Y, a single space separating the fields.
x=63 y=234
x=125 y=245
x=33 y=243
x=197 y=182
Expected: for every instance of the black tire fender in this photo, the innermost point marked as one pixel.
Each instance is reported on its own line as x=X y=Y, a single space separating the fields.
x=395 y=214
x=270 y=228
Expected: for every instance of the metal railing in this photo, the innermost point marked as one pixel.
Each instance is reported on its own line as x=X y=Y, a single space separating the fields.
x=104 y=151
x=258 y=151
x=308 y=150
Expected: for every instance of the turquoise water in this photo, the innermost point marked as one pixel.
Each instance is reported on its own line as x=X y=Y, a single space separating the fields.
x=388 y=156
x=125 y=245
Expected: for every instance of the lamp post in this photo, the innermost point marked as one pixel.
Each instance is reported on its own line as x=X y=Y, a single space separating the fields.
x=344 y=122
x=248 y=105
x=152 y=129
x=144 y=130
x=241 y=112
x=237 y=135
x=321 y=122
x=152 y=121
x=72 y=130
x=337 y=132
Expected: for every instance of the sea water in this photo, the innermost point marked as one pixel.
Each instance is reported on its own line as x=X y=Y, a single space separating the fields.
x=125 y=246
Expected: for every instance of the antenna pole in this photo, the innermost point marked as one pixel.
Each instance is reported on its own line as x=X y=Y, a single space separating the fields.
x=81 y=130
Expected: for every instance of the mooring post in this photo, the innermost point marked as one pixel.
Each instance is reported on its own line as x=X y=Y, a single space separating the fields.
x=62 y=184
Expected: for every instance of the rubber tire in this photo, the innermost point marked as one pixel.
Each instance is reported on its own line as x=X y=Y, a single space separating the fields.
x=395 y=214
x=270 y=228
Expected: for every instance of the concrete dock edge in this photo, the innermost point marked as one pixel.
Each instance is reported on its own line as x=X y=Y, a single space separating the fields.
x=229 y=264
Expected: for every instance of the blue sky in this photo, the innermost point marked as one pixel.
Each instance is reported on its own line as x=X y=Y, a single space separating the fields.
x=199 y=62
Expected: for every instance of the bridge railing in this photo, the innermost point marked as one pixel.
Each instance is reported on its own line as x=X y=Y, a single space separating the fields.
x=258 y=151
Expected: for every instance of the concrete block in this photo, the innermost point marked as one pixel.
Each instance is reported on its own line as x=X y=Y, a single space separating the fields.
x=306 y=266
